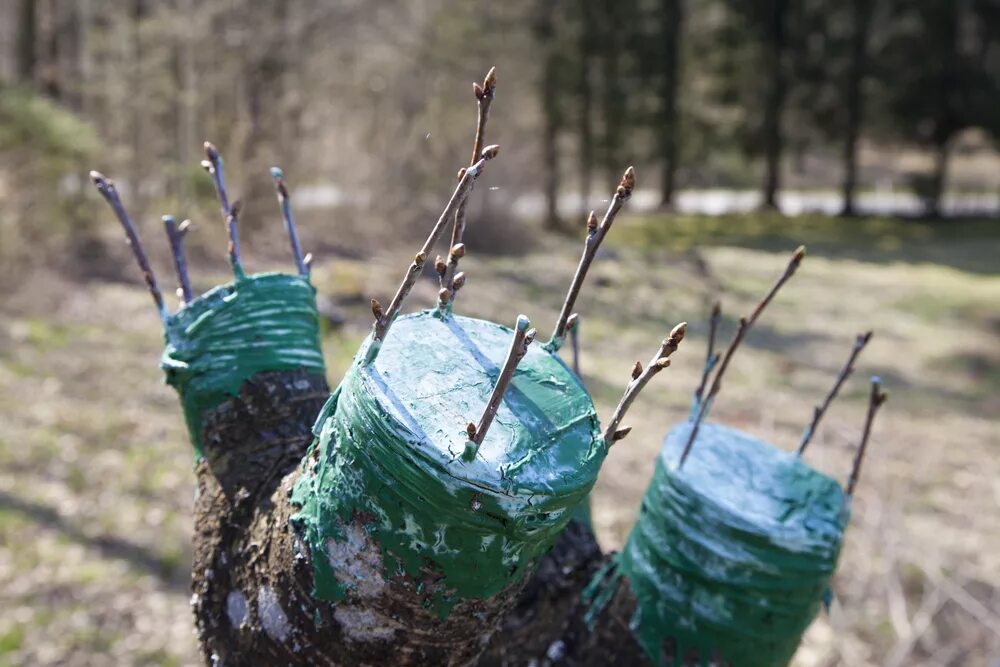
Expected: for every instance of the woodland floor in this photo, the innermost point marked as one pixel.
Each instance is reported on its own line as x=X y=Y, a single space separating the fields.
x=95 y=469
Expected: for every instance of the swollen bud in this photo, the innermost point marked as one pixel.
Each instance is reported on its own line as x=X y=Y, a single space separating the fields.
x=621 y=433
x=591 y=223
x=677 y=335
x=490 y=151
x=458 y=251
x=211 y=151
x=377 y=309
x=439 y=266
x=490 y=82
x=627 y=184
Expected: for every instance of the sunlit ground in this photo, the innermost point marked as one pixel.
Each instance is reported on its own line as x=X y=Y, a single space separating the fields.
x=95 y=468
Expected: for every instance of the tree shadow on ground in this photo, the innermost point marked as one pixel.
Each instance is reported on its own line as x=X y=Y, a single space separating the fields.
x=172 y=573
x=967 y=245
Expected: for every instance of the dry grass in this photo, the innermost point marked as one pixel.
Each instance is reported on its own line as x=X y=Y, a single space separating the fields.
x=95 y=469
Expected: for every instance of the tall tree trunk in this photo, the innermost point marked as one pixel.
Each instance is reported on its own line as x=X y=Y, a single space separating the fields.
x=774 y=104
x=135 y=98
x=545 y=32
x=672 y=16
x=48 y=29
x=187 y=98
x=27 y=35
x=939 y=180
x=612 y=108
x=861 y=21
x=588 y=43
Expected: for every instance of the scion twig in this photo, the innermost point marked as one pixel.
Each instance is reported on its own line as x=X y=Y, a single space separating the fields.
x=711 y=357
x=484 y=100
x=595 y=235
x=518 y=348
x=384 y=319
x=741 y=331
x=176 y=234
x=110 y=193
x=285 y=202
x=573 y=326
x=230 y=213
x=859 y=344
x=875 y=401
x=640 y=377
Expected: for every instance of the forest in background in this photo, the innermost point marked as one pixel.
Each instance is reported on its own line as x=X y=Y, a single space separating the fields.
x=367 y=104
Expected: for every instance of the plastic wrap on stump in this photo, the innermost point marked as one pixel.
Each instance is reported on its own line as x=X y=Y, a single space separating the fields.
x=263 y=322
x=731 y=556
x=389 y=462
x=245 y=360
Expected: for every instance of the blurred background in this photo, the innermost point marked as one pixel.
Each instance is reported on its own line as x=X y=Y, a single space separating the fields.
x=866 y=129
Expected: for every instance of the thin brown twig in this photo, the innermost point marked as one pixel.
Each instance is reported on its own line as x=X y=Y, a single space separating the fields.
x=573 y=326
x=741 y=331
x=175 y=235
x=640 y=377
x=518 y=348
x=595 y=235
x=711 y=358
x=385 y=320
x=484 y=100
x=859 y=344
x=875 y=400
x=108 y=190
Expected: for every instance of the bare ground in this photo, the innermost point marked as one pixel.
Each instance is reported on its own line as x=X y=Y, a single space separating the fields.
x=95 y=468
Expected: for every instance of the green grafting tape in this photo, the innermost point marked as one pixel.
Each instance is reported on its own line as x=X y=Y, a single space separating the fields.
x=391 y=444
x=732 y=554
x=263 y=322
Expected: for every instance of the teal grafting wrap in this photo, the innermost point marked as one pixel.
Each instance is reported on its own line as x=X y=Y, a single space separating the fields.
x=390 y=449
x=263 y=322
x=732 y=554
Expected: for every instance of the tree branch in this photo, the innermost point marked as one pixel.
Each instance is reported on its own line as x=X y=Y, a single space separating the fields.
x=176 y=234
x=818 y=412
x=744 y=326
x=213 y=165
x=573 y=326
x=110 y=193
x=385 y=320
x=518 y=348
x=285 y=202
x=484 y=100
x=640 y=378
x=711 y=358
x=595 y=235
x=875 y=401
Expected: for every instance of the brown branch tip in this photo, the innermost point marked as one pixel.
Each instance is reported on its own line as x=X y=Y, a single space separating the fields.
x=640 y=377
x=875 y=400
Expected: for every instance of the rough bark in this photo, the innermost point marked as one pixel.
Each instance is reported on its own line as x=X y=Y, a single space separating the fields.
x=252 y=575
x=549 y=626
x=545 y=607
